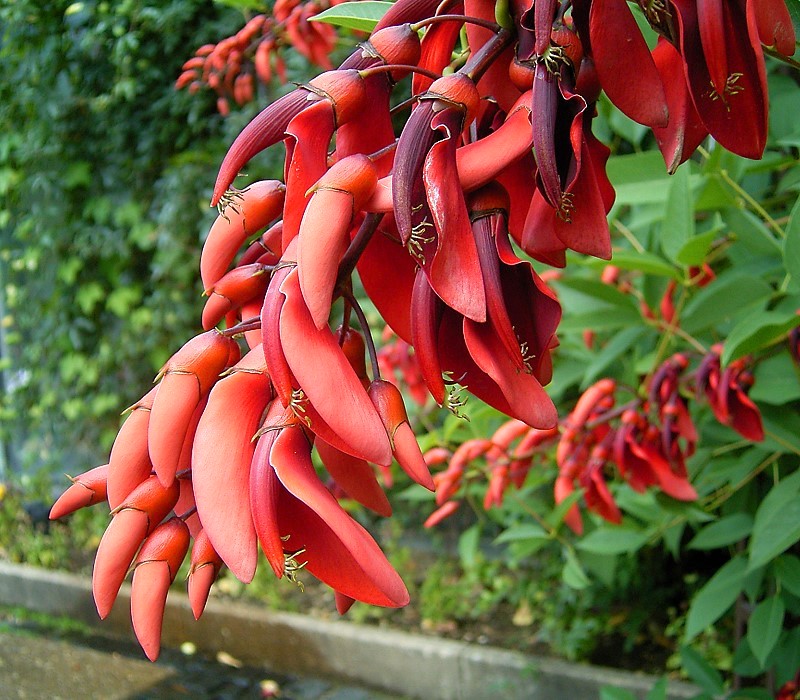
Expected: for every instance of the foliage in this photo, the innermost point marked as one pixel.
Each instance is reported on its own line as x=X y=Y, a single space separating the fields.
x=104 y=171
x=731 y=555
x=704 y=289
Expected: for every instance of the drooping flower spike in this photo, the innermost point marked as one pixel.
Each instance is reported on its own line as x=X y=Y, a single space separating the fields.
x=418 y=205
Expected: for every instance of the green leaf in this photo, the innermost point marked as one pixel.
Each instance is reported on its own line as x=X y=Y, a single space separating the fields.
x=722 y=300
x=619 y=345
x=695 y=250
x=363 y=15
x=787 y=571
x=764 y=627
x=468 y=546
x=714 y=599
x=756 y=331
x=700 y=671
x=643 y=262
x=678 y=226
x=597 y=290
x=599 y=321
x=609 y=693
x=658 y=691
x=573 y=574
x=527 y=531
x=638 y=178
x=791 y=244
x=257 y=5
x=612 y=540
x=556 y=516
x=777 y=521
x=773 y=384
x=725 y=531
x=785 y=655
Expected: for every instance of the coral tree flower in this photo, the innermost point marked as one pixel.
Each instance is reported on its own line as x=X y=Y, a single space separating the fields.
x=422 y=200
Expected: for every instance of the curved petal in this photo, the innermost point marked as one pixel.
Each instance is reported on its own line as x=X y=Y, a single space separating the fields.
x=151 y=582
x=327 y=379
x=640 y=95
x=339 y=551
x=116 y=550
x=355 y=476
x=308 y=139
x=221 y=457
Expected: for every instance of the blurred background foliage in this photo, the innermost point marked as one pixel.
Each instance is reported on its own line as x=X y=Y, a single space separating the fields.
x=105 y=174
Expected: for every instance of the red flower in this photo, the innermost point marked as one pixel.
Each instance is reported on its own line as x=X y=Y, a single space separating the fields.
x=726 y=391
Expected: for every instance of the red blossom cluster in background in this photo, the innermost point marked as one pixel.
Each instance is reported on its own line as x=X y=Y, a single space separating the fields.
x=233 y=66
x=644 y=442
x=496 y=148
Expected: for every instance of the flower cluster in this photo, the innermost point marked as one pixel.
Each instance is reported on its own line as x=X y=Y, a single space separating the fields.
x=645 y=442
x=497 y=149
x=232 y=66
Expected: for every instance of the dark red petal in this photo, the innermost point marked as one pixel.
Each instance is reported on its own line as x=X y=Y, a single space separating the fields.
x=617 y=44
x=323 y=240
x=266 y=129
x=744 y=101
x=455 y=271
x=426 y=314
x=527 y=399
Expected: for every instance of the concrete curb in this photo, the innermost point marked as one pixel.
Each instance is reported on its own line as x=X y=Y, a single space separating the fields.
x=405 y=664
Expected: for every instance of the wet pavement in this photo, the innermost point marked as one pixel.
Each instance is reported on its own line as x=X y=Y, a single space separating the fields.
x=35 y=664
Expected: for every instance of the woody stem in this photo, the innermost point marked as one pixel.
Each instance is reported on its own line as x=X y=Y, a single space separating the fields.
x=391 y=67
x=249 y=324
x=613 y=413
x=356 y=248
x=482 y=59
x=491 y=26
x=362 y=320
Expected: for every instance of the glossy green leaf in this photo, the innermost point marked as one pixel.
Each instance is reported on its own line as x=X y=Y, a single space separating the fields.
x=526 y=531
x=777 y=521
x=620 y=344
x=642 y=262
x=612 y=540
x=695 y=250
x=362 y=16
x=787 y=571
x=573 y=574
x=781 y=428
x=727 y=530
x=678 y=226
x=597 y=290
x=724 y=299
x=757 y=330
x=785 y=655
x=716 y=597
x=791 y=244
x=764 y=627
x=700 y=671
x=773 y=380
